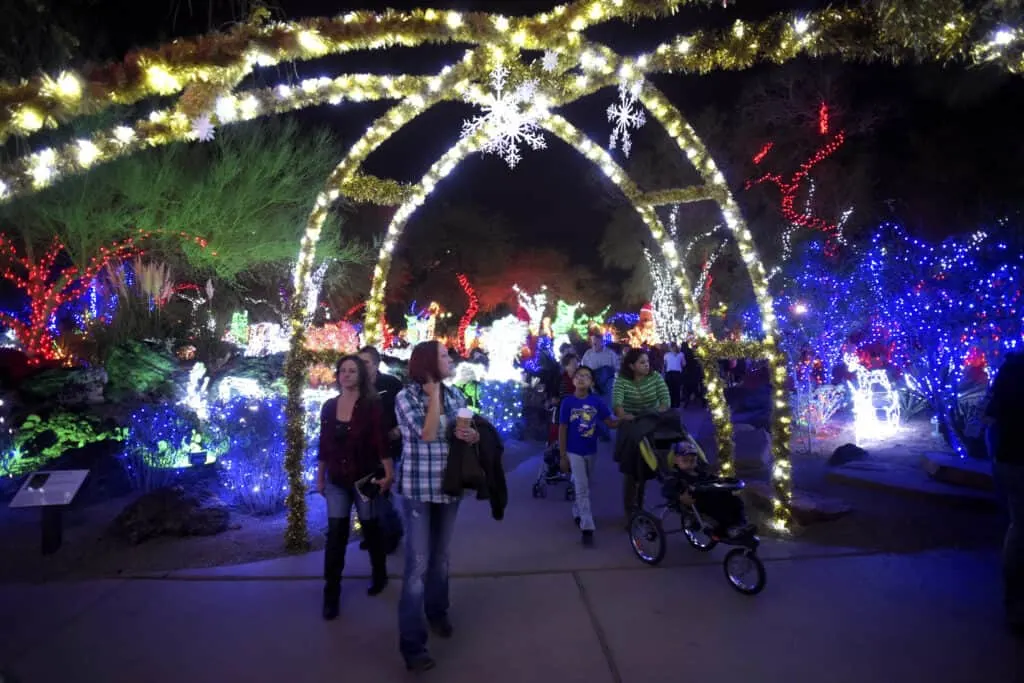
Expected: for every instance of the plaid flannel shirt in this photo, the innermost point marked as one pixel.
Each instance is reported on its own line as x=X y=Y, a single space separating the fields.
x=423 y=462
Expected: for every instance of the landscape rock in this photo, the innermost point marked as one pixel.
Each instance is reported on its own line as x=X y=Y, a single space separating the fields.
x=808 y=508
x=847 y=453
x=753 y=447
x=952 y=469
x=107 y=477
x=171 y=511
x=68 y=387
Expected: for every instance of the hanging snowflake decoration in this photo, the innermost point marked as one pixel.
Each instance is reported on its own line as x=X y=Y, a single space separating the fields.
x=625 y=115
x=550 y=61
x=509 y=119
x=203 y=129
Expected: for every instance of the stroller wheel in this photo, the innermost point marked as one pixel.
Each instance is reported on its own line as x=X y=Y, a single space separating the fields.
x=570 y=493
x=539 y=491
x=647 y=538
x=744 y=571
x=699 y=538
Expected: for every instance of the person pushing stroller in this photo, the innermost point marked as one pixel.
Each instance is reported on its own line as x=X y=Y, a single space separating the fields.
x=685 y=486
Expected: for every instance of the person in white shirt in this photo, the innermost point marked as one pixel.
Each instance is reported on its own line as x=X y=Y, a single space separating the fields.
x=674 y=362
x=605 y=365
x=602 y=361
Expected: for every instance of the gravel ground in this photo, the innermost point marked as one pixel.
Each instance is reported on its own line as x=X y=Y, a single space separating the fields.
x=87 y=552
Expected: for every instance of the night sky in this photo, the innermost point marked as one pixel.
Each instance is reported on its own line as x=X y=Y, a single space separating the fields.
x=550 y=196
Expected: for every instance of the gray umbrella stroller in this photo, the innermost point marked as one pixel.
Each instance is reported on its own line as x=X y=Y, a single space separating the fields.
x=550 y=473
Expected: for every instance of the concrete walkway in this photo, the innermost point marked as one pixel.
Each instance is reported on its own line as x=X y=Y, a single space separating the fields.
x=530 y=604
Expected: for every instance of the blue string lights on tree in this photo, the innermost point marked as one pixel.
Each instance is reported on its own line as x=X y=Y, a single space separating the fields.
x=161 y=438
x=501 y=402
x=819 y=305
x=943 y=304
x=252 y=472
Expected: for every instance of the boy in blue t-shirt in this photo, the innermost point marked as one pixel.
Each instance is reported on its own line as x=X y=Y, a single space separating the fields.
x=578 y=418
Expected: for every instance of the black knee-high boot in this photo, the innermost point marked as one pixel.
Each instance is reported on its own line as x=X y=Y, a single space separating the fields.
x=334 y=564
x=378 y=556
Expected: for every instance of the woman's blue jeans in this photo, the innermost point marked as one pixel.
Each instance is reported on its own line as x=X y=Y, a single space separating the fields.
x=428 y=533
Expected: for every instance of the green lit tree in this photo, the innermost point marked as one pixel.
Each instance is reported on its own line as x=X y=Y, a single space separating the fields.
x=247 y=194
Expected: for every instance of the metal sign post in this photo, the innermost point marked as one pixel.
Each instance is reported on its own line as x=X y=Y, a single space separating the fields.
x=51 y=491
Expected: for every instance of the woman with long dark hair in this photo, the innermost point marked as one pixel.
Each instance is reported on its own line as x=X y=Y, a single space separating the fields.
x=352 y=465
x=637 y=391
x=426 y=409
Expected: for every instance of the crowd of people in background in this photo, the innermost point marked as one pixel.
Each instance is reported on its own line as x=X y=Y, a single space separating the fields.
x=378 y=436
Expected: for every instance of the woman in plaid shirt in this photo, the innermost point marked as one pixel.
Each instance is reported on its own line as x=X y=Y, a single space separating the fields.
x=425 y=409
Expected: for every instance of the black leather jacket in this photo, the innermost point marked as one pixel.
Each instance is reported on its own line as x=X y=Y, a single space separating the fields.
x=478 y=467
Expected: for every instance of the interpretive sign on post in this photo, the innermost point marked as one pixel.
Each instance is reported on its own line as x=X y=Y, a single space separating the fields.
x=51 y=491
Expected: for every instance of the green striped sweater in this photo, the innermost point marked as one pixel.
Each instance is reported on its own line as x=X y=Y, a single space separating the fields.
x=643 y=395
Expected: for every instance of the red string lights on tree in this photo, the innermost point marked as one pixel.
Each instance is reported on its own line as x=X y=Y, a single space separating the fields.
x=350 y=313
x=471 y=311
x=791 y=188
x=49 y=286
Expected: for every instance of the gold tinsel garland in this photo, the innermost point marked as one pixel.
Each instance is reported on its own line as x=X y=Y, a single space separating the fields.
x=295 y=367
x=939 y=30
x=778 y=39
x=685 y=195
x=224 y=59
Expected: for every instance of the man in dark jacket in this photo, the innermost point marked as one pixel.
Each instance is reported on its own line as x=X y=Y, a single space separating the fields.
x=1005 y=416
x=387 y=387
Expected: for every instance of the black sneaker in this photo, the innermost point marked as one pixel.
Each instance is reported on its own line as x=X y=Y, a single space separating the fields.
x=442 y=628
x=588 y=538
x=420 y=664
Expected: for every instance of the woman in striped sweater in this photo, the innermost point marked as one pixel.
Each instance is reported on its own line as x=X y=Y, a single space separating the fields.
x=637 y=391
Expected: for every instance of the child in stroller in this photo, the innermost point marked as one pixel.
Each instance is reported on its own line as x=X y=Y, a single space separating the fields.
x=708 y=508
x=689 y=486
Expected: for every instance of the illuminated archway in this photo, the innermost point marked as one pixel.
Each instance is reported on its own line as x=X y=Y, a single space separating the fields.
x=206 y=71
x=613 y=69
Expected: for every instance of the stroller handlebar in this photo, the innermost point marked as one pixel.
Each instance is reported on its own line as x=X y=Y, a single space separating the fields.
x=721 y=484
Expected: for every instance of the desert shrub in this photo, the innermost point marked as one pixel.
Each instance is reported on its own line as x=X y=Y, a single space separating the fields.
x=252 y=472
x=161 y=439
x=252 y=467
x=137 y=369
x=39 y=440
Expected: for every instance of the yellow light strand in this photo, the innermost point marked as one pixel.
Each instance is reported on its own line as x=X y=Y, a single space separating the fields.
x=940 y=30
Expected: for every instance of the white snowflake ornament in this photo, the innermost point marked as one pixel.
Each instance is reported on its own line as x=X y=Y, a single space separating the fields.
x=550 y=61
x=509 y=119
x=626 y=114
x=203 y=129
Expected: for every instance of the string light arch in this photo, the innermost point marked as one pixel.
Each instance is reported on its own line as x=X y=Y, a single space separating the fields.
x=207 y=70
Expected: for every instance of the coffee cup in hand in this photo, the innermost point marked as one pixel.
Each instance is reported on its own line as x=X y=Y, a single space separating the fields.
x=464 y=419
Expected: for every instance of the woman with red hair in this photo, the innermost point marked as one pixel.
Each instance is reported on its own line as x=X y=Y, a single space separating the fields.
x=425 y=409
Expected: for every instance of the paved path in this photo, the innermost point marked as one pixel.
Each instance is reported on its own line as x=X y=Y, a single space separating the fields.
x=530 y=604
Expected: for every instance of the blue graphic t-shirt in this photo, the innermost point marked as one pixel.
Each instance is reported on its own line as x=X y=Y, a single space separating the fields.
x=582 y=416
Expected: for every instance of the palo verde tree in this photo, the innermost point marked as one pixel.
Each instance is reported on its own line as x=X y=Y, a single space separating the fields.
x=245 y=196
